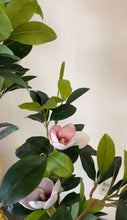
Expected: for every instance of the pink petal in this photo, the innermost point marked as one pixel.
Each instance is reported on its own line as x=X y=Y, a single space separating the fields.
x=82 y=139
x=47 y=186
x=56 y=129
x=67 y=132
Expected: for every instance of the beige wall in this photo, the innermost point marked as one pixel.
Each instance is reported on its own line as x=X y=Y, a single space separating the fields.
x=92 y=39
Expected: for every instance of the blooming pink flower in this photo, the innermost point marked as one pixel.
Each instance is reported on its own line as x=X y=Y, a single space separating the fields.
x=43 y=197
x=63 y=137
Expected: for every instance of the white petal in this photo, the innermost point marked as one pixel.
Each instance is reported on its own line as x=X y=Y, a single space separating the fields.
x=56 y=187
x=51 y=201
x=72 y=143
x=54 y=139
x=82 y=139
x=59 y=146
x=37 y=204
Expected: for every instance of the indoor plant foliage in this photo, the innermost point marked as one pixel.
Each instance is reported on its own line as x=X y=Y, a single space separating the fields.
x=33 y=185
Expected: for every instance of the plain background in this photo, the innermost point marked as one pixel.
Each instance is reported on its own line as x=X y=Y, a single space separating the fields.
x=92 y=40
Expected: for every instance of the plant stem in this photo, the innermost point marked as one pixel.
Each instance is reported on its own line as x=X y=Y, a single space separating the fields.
x=1 y=167
x=94 y=188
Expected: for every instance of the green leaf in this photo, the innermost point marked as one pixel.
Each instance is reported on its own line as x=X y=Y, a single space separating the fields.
x=21 y=11
x=39 y=11
x=2 y=5
x=72 y=152
x=17 y=209
x=82 y=192
x=61 y=213
x=94 y=210
x=70 y=183
x=60 y=164
x=4 y=49
x=37 y=215
x=62 y=112
x=1 y=83
x=5 y=1
x=37 y=117
x=105 y=153
x=89 y=217
x=17 y=182
x=88 y=149
x=88 y=164
x=75 y=210
x=57 y=99
x=31 y=106
x=121 y=212
x=33 y=33
x=9 y=128
x=64 y=87
x=124 y=196
x=5 y=25
x=79 y=127
x=76 y=94
x=8 y=58
x=62 y=70
x=125 y=168
x=20 y=50
x=70 y=199
x=34 y=146
x=49 y=104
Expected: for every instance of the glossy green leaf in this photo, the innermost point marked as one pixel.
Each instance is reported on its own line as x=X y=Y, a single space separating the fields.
x=62 y=112
x=60 y=164
x=70 y=199
x=62 y=70
x=37 y=117
x=31 y=106
x=74 y=210
x=21 y=11
x=8 y=58
x=17 y=209
x=70 y=183
x=79 y=127
x=34 y=146
x=88 y=164
x=88 y=149
x=125 y=168
x=5 y=25
x=37 y=215
x=20 y=50
x=33 y=33
x=76 y=94
x=43 y=96
x=72 y=152
x=49 y=104
x=105 y=153
x=64 y=87
x=39 y=11
x=89 y=217
x=121 y=212
x=94 y=210
x=17 y=182
x=61 y=213
x=8 y=129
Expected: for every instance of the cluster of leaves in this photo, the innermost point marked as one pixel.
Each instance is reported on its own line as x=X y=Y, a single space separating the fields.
x=38 y=159
x=17 y=35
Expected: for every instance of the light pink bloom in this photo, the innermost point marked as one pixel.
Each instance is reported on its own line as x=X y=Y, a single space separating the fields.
x=63 y=137
x=43 y=197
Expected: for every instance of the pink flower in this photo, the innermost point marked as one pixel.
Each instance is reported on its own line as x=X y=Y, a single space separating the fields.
x=63 y=137
x=43 y=197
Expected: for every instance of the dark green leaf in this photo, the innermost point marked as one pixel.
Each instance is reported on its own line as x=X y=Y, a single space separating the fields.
x=34 y=146
x=88 y=149
x=89 y=217
x=44 y=97
x=105 y=153
x=76 y=94
x=17 y=182
x=37 y=215
x=70 y=183
x=121 y=212
x=98 y=214
x=63 y=112
x=62 y=213
x=60 y=164
x=20 y=50
x=9 y=128
x=124 y=196
x=37 y=117
x=14 y=68
x=20 y=12
x=33 y=33
x=88 y=164
x=8 y=58
x=115 y=187
x=35 y=97
x=125 y=168
x=17 y=209
x=72 y=152
x=70 y=199
x=79 y=127
x=5 y=25
x=62 y=70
